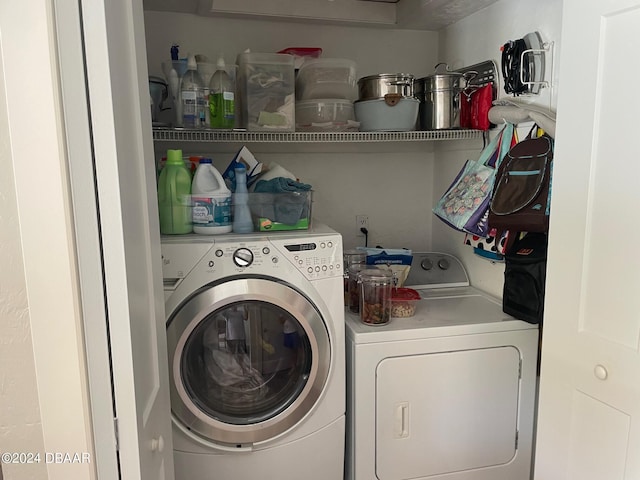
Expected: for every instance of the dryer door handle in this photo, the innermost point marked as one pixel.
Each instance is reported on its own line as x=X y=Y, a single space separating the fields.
x=401 y=428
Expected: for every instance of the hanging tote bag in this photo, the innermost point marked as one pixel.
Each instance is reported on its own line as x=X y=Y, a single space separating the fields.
x=465 y=203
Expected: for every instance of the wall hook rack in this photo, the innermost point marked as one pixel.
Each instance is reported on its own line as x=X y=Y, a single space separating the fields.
x=533 y=61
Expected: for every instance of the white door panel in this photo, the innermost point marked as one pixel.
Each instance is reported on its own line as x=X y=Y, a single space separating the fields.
x=589 y=409
x=598 y=439
x=431 y=422
x=116 y=69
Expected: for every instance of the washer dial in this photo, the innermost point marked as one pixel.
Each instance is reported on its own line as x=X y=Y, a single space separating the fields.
x=243 y=257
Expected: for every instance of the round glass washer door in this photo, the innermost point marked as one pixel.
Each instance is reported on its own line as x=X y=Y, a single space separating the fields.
x=248 y=359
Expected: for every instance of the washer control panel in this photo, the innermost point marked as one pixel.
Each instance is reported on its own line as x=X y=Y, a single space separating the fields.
x=317 y=257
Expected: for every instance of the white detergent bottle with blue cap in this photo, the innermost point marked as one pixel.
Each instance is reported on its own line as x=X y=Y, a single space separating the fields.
x=242 y=221
x=211 y=200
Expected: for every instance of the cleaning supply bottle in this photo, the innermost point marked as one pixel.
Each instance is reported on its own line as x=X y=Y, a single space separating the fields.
x=174 y=195
x=211 y=200
x=192 y=96
x=242 y=222
x=174 y=87
x=221 y=98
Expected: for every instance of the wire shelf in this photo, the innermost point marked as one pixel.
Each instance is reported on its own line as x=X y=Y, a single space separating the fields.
x=185 y=135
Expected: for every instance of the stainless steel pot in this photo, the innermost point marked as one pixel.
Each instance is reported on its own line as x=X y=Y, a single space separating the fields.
x=158 y=91
x=383 y=84
x=439 y=96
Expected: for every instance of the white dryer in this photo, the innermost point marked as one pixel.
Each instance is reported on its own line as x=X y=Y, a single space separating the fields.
x=446 y=394
x=255 y=336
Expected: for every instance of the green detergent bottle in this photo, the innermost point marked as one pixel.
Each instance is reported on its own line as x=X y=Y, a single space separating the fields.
x=174 y=196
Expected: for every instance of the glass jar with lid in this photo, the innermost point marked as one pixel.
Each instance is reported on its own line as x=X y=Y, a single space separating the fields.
x=351 y=258
x=375 y=296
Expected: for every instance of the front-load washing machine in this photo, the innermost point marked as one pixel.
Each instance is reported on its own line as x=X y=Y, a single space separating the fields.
x=255 y=336
x=446 y=394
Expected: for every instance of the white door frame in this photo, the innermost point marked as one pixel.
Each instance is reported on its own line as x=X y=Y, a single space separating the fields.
x=37 y=141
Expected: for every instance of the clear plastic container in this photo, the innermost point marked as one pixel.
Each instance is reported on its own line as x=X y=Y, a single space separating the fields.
x=327 y=78
x=266 y=92
x=404 y=302
x=330 y=113
x=281 y=211
x=375 y=296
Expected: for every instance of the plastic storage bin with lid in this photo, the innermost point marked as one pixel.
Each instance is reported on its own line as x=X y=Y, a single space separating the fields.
x=404 y=302
x=323 y=78
x=325 y=115
x=266 y=92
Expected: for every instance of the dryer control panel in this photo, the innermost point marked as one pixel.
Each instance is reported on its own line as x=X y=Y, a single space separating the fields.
x=436 y=270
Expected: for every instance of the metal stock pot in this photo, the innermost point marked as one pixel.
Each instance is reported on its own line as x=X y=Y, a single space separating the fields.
x=439 y=96
x=383 y=84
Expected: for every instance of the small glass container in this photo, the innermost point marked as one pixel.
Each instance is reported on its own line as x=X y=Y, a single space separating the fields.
x=351 y=257
x=353 y=287
x=375 y=296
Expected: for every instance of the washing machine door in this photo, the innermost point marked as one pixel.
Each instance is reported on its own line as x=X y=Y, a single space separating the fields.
x=249 y=358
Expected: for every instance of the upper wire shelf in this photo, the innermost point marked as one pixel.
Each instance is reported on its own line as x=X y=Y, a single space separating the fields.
x=186 y=135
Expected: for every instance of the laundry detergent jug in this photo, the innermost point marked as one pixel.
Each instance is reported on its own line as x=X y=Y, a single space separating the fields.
x=174 y=195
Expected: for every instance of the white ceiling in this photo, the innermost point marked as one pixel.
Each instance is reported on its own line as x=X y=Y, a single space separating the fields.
x=436 y=14
x=404 y=14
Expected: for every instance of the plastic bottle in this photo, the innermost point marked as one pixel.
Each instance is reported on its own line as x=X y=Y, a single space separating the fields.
x=221 y=98
x=174 y=195
x=211 y=200
x=192 y=96
x=174 y=86
x=242 y=221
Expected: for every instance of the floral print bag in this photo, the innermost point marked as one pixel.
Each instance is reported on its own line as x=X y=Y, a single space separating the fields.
x=464 y=206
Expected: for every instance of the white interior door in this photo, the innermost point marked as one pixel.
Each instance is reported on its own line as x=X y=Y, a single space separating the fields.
x=119 y=106
x=589 y=410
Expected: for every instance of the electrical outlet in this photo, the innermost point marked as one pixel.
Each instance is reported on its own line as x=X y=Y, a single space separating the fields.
x=362 y=221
